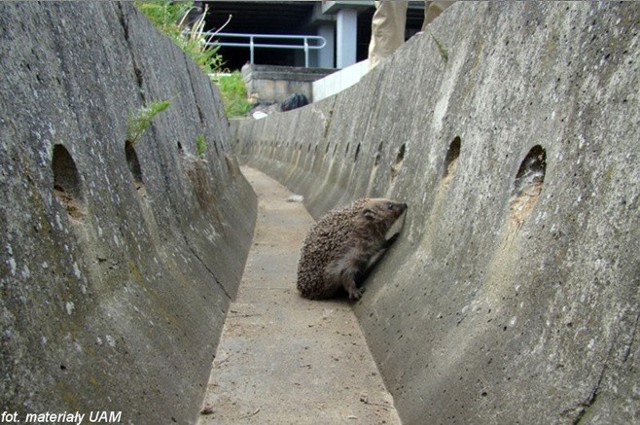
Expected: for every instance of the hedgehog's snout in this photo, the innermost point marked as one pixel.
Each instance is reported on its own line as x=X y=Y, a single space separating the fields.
x=398 y=207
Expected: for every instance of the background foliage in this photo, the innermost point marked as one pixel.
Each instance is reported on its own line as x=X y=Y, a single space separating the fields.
x=234 y=94
x=170 y=18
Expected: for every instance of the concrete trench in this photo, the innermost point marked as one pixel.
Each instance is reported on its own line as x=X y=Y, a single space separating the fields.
x=508 y=297
x=283 y=359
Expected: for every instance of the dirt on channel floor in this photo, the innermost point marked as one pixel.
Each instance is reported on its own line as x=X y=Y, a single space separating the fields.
x=283 y=359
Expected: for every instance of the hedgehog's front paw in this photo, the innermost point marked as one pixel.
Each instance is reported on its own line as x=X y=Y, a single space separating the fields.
x=355 y=293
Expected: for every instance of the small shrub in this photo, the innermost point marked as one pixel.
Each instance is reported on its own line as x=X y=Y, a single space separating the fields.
x=201 y=145
x=168 y=17
x=165 y=15
x=234 y=94
x=139 y=122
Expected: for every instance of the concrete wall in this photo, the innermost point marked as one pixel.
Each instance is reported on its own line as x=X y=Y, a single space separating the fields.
x=270 y=83
x=117 y=263
x=339 y=80
x=511 y=129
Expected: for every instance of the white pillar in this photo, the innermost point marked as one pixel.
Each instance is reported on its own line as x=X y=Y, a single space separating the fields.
x=347 y=29
x=325 y=55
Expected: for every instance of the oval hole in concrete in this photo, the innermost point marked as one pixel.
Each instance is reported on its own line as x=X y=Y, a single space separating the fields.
x=397 y=165
x=134 y=167
x=66 y=181
x=451 y=160
x=527 y=185
x=378 y=155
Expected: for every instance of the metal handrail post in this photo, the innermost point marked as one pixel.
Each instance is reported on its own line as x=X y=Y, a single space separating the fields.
x=251 y=49
x=306 y=53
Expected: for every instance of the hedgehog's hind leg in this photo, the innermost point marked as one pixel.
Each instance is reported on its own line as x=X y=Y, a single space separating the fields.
x=342 y=273
x=352 y=289
x=347 y=281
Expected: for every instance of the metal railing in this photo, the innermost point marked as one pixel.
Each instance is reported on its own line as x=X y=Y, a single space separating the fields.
x=217 y=39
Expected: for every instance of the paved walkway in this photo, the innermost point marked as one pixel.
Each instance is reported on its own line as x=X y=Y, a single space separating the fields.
x=283 y=359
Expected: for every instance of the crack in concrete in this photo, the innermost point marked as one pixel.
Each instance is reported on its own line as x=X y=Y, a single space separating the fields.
x=627 y=351
x=136 y=68
x=195 y=254
x=584 y=407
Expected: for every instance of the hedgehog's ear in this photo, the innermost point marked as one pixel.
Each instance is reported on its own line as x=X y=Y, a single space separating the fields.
x=369 y=214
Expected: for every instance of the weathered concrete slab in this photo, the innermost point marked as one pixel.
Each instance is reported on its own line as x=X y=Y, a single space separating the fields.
x=271 y=83
x=283 y=359
x=511 y=129
x=339 y=80
x=118 y=261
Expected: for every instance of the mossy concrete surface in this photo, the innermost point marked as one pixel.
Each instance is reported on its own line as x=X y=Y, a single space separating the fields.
x=119 y=258
x=511 y=130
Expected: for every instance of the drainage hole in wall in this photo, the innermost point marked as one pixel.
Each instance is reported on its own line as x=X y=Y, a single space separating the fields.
x=66 y=182
x=197 y=174
x=134 y=167
x=397 y=165
x=232 y=168
x=527 y=185
x=451 y=160
x=376 y=162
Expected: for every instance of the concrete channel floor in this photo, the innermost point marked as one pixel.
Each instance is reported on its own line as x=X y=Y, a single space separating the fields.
x=283 y=359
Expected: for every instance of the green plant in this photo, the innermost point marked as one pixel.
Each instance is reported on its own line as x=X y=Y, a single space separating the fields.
x=165 y=15
x=201 y=145
x=168 y=17
x=441 y=48
x=138 y=123
x=234 y=94
x=199 y=47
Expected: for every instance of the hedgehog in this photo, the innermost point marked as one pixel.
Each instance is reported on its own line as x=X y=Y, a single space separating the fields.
x=342 y=246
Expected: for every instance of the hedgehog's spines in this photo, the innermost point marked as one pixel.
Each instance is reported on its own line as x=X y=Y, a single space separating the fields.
x=340 y=246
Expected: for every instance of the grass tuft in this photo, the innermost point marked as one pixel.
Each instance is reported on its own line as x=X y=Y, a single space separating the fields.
x=139 y=122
